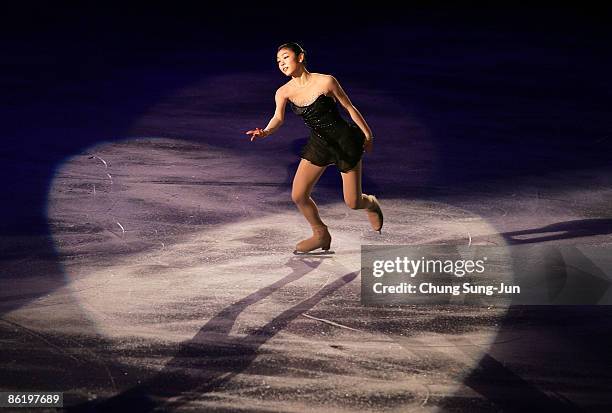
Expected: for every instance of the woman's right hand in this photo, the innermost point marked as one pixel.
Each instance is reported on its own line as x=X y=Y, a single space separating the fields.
x=257 y=133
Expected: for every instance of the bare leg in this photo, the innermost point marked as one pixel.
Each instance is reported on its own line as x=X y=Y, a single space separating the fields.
x=351 y=185
x=305 y=178
x=355 y=199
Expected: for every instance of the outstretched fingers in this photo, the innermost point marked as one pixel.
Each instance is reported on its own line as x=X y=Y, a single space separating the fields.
x=255 y=133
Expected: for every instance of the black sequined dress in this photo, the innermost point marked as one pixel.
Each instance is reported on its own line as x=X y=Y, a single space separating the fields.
x=333 y=140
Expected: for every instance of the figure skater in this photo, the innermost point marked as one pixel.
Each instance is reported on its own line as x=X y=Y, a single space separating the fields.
x=333 y=140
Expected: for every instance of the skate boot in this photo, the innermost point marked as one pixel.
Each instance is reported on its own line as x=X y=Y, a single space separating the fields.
x=320 y=239
x=375 y=214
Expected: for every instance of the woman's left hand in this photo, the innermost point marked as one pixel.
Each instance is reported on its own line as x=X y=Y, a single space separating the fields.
x=368 y=145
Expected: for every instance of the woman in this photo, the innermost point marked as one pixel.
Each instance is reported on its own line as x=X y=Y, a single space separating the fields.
x=333 y=140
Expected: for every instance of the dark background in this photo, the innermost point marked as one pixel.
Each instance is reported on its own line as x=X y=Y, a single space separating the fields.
x=71 y=76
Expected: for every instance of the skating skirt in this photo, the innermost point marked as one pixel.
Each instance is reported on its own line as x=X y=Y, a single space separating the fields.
x=340 y=145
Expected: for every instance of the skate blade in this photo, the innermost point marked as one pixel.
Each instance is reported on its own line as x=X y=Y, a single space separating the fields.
x=322 y=252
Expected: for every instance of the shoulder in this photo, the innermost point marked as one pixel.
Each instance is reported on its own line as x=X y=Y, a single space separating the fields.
x=328 y=79
x=282 y=91
x=323 y=78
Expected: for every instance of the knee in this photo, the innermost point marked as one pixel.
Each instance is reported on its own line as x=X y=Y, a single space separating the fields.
x=299 y=198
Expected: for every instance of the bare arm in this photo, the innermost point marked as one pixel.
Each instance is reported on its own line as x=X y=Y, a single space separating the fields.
x=344 y=100
x=279 y=113
x=277 y=119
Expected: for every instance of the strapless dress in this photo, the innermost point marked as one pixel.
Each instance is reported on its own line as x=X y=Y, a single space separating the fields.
x=333 y=140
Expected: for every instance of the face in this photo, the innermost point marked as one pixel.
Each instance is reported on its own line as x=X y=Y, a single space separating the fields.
x=288 y=62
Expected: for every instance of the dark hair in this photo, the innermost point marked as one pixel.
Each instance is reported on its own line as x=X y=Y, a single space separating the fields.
x=297 y=49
